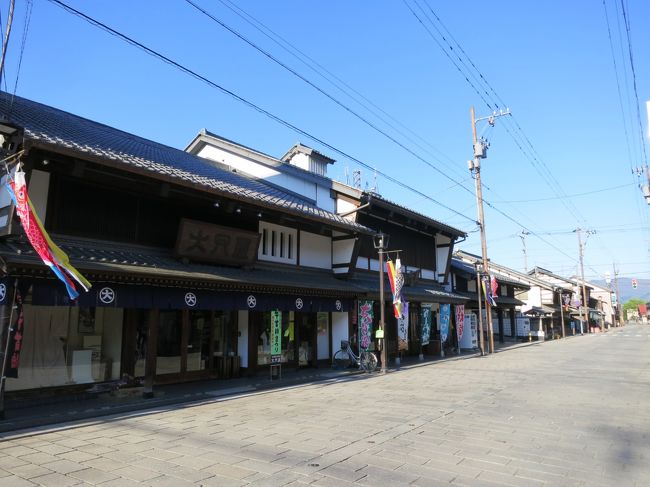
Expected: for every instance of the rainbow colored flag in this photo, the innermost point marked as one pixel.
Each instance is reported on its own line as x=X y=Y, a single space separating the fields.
x=396 y=279
x=487 y=291
x=47 y=250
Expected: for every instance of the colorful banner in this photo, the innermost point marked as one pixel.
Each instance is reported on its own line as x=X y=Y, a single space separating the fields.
x=460 y=321
x=487 y=292
x=425 y=319
x=365 y=324
x=403 y=328
x=276 y=336
x=445 y=311
x=494 y=286
x=396 y=279
x=15 y=340
x=47 y=250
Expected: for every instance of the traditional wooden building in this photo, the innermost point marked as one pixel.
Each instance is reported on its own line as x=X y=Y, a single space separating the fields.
x=425 y=244
x=188 y=260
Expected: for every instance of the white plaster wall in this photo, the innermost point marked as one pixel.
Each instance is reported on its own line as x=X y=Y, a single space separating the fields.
x=547 y=296
x=240 y=163
x=344 y=206
x=362 y=263
x=324 y=199
x=315 y=250
x=442 y=256
x=428 y=274
x=339 y=330
x=342 y=251
x=39 y=185
x=471 y=286
x=242 y=340
x=262 y=171
x=300 y=160
x=534 y=299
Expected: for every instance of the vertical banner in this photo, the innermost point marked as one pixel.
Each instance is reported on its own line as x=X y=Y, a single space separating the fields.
x=403 y=327
x=276 y=336
x=445 y=311
x=460 y=321
x=365 y=324
x=15 y=340
x=425 y=318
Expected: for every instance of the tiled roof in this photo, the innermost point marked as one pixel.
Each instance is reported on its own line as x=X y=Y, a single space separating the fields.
x=380 y=201
x=468 y=270
x=152 y=263
x=55 y=129
x=423 y=291
x=500 y=300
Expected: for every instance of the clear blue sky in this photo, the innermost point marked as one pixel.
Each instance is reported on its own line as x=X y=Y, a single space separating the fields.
x=550 y=62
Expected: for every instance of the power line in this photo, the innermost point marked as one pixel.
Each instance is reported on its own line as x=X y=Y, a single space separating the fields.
x=28 y=16
x=5 y=42
x=612 y=188
x=519 y=137
x=246 y=102
x=313 y=85
x=339 y=83
x=325 y=93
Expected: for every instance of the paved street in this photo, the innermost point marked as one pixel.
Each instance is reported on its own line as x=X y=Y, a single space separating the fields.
x=568 y=412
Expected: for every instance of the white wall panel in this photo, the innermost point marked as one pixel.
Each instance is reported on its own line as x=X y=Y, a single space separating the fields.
x=315 y=250
x=339 y=330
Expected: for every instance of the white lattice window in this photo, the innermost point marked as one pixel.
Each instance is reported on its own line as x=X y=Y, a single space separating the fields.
x=277 y=243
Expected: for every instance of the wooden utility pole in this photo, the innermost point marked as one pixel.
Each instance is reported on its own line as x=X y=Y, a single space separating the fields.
x=480 y=152
x=619 y=302
x=585 y=301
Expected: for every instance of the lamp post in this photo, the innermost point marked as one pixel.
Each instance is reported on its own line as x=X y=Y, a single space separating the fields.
x=380 y=242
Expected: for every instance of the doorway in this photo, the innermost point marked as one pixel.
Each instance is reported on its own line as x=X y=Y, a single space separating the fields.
x=306 y=339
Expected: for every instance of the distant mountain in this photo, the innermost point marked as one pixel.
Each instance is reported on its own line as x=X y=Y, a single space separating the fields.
x=627 y=291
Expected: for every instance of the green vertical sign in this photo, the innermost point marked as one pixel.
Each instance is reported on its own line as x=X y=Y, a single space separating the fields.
x=276 y=335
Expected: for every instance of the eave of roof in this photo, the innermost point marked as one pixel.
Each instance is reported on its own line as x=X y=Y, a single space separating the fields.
x=500 y=300
x=377 y=200
x=129 y=261
x=61 y=132
x=466 y=269
x=423 y=291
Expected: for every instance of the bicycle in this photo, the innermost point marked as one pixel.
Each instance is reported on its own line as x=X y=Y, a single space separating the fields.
x=345 y=357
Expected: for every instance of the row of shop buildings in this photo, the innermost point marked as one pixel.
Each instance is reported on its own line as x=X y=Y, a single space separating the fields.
x=221 y=260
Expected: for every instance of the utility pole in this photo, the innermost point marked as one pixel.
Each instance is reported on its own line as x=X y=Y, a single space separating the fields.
x=619 y=303
x=559 y=290
x=585 y=302
x=522 y=236
x=480 y=152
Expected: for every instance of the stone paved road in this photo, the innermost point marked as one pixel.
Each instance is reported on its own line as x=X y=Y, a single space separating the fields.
x=568 y=412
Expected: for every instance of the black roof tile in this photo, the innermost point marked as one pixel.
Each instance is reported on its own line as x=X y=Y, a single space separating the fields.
x=54 y=129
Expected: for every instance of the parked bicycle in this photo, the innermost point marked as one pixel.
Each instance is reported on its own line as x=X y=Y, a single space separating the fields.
x=345 y=357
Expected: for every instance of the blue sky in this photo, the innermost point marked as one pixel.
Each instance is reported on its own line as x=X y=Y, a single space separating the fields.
x=550 y=62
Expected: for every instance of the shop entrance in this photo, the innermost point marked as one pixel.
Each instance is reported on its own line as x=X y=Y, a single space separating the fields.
x=306 y=339
x=184 y=344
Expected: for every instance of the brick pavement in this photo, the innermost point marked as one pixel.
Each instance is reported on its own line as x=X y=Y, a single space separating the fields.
x=568 y=412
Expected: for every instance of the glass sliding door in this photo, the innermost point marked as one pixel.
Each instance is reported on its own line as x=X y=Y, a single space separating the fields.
x=168 y=352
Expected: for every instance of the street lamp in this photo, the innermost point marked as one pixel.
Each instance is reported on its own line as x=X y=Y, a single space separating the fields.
x=380 y=242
